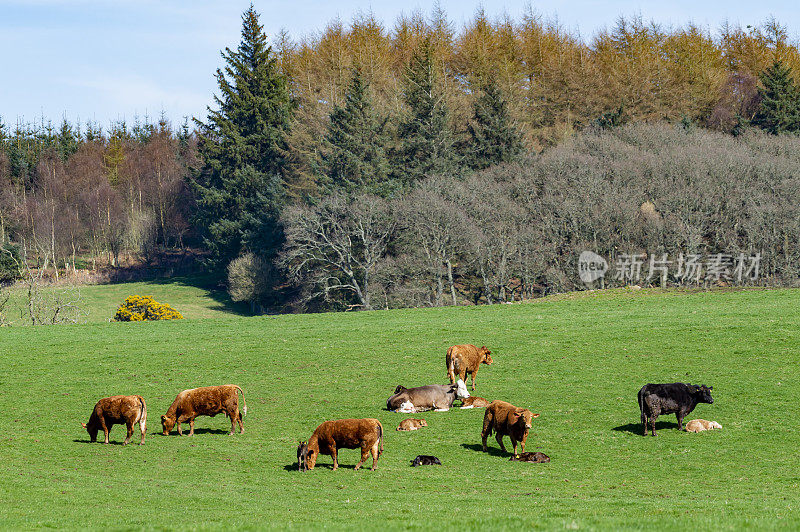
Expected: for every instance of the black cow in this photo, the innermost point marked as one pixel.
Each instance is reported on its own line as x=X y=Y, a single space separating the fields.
x=676 y=398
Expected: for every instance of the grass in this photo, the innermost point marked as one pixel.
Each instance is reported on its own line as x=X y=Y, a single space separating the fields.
x=578 y=361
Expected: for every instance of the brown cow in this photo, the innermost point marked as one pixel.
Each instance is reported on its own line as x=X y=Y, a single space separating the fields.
x=463 y=359
x=506 y=419
x=412 y=424
x=329 y=437
x=208 y=401
x=118 y=410
x=474 y=402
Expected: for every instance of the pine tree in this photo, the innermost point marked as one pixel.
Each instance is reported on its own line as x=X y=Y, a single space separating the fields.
x=779 y=111
x=355 y=156
x=493 y=139
x=239 y=188
x=427 y=142
x=68 y=141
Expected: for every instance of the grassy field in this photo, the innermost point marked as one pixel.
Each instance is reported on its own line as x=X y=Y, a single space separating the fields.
x=578 y=361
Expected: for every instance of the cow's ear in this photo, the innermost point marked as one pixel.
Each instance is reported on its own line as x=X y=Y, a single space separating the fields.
x=710 y=387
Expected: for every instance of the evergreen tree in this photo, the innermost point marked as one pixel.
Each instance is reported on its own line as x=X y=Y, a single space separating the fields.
x=779 y=111
x=68 y=141
x=355 y=158
x=493 y=139
x=239 y=187
x=427 y=142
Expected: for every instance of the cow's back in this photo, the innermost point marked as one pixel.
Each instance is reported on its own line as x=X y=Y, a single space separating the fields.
x=663 y=398
x=119 y=407
x=348 y=433
x=465 y=355
x=209 y=400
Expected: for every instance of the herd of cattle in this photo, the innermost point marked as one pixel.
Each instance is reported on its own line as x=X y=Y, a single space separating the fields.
x=501 y=418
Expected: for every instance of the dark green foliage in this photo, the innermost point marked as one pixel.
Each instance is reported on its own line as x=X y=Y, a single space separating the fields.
x=355 y=156
x=611 y=119
x=779 y=111
x=493 y=139
x=243 y=146
x=9 y=262
x=67 y=141
x=427 y=141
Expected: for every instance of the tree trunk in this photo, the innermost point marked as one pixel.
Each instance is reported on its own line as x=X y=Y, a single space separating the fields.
x=450 y=281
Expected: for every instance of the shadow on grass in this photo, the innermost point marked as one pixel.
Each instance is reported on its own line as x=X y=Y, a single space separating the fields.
x=636 y=428
x=293 y=466
x=493 y=451
x=196 y=432
x=110 y=442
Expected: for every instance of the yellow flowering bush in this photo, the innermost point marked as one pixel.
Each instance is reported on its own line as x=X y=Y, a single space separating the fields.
x=141 y=308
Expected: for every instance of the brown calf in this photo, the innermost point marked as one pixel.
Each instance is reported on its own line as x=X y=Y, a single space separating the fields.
x=208 y=401
x=506 y=419
x=474 y=402
x=463 y=359
x=118 y=410
x=329 y=437
x=536 y=458
x=699 y=425
x=412 y=424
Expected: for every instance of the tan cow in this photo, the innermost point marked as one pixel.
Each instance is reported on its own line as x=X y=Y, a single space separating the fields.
x=208 y=401
x=412 y=424
x=699 y=425
x=463 y=359
x=330 y=436
x=474 y=402
x=506 y=419
x=118 y=410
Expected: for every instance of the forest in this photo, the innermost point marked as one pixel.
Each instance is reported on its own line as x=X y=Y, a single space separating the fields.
x=422 y=164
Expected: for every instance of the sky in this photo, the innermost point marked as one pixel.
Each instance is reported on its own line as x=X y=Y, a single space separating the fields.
x=116 y=60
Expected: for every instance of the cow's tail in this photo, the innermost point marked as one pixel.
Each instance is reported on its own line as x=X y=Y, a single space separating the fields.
x=451 y=363
x=641 y=408
x=244 y=403
x=380 y=438
x=142 y=414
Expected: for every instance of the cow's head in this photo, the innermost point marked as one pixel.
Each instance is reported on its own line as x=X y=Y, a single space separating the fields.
x=486 y=355
x=167 y=423
x=703 y=393
x=422 y=423
x=92 y=430
x=522 y=416
x=306 y=457
x=399 y=389
x=461 y=389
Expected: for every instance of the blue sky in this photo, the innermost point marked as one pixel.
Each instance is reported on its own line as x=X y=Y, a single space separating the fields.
x=115 y=59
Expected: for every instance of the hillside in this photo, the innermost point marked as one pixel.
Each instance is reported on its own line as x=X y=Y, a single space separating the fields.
x=576 y=360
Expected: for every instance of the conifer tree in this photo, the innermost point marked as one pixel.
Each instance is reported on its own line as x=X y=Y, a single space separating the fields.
x=239 y=187
x=427 y=141
x=492 y=137
x=779 y=111
x=355 y=156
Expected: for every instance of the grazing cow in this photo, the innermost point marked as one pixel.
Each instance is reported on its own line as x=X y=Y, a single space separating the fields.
x=506 y=419
x=437 y=397
x=412 y=424
x=208 y=401
x=474 y=402
x=699 y=425
x=463 y=359
x=675 y=398
x=424 y=459
x=329 y=437
x=536 y=458
x=118 y=410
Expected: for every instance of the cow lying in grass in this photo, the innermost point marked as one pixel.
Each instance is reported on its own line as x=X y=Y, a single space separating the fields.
x=412 y=424
x=117 y=410
x=330 y=436
x=506 y=419
x=699 y=425
x=466 y=359
x=437 y=397
x=535 y=458
x=208 y=401
x=475 y=402
x=674 y=398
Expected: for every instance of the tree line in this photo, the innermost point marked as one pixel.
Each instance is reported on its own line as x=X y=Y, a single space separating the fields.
x=369 y=167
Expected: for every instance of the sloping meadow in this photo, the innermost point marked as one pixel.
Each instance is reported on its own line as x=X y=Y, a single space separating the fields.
x=578 y=361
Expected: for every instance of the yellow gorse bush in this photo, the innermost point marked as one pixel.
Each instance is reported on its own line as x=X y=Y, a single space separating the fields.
x=145 y=308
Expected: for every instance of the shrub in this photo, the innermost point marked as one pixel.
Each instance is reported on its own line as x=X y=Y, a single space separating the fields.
x=9 y=262
x=145 y=308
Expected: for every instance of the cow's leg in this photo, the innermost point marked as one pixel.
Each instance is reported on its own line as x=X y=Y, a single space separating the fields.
x=364 y=456
x=234 y=418
x=484 y=435
x=129 y=426
x=335 y=456
x=462 y=373
x=451 y=374
x=143 y=428
x=105 y=428
x=473 y=380
x=191 y=426
x=680 y=416
x=178 y=425
x=653 y=418
x=241 y=422
x=644 y=422
x=499 y=438
x=375 y=451
x=522 y=442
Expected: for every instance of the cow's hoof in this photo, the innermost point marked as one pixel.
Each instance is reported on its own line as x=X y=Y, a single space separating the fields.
x=124 y=443
x=141 y=443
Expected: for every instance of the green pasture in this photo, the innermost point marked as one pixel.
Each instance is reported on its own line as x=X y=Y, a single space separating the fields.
x=578 y=361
